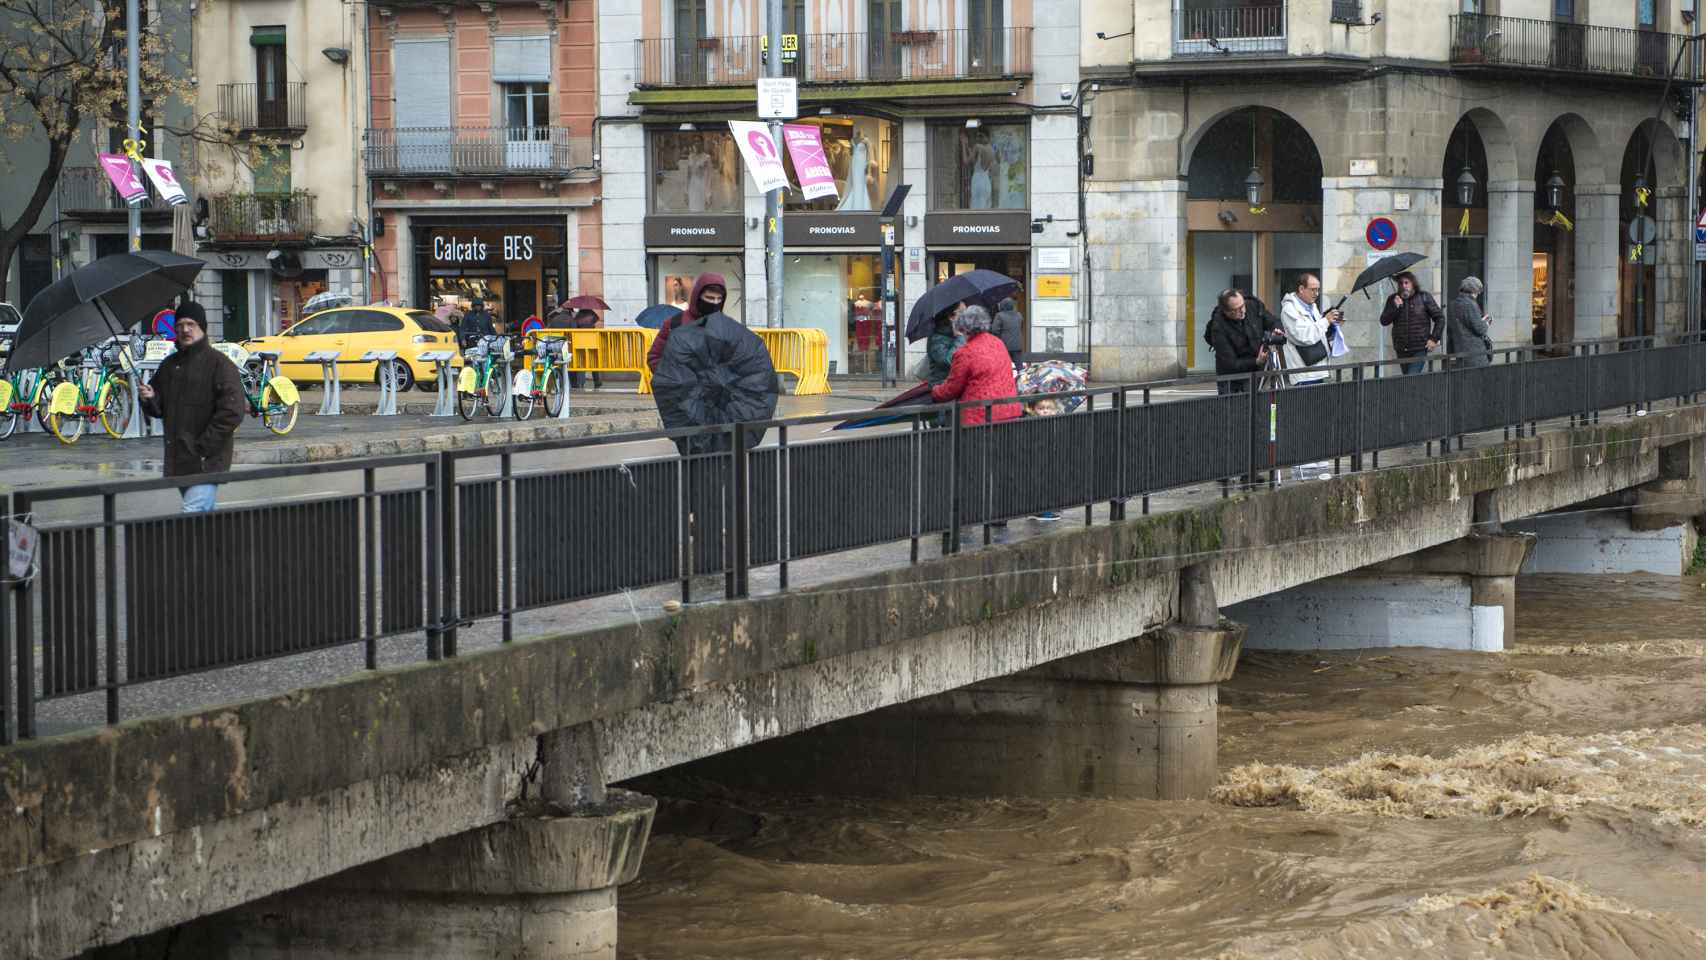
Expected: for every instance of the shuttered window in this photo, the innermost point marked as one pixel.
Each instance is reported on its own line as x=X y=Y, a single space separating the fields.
x=423 y=83
x=521 y=59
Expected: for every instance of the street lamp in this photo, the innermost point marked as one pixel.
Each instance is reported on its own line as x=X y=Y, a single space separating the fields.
x=1466 y=184
x=1555 y=192
x=1253 y=185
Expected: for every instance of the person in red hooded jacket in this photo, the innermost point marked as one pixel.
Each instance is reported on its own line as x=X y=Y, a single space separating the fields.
x=980 y=370
x=709 y=294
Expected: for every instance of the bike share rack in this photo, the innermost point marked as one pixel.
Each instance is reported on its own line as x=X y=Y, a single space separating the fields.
x=32 y=423
x=332 y=390
x=385 y=374
x=445 y=403
x=504 y=355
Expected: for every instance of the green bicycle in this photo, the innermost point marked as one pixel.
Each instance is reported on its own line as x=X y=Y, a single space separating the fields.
x=101 y=393
x=478 y=383
x=25 y=394
x=272 y=397
x=544 y=381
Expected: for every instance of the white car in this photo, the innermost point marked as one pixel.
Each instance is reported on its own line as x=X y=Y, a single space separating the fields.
x=9 y=320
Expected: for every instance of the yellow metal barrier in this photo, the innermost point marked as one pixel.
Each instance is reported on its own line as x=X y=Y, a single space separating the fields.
x=602 y=350
x=804 y=353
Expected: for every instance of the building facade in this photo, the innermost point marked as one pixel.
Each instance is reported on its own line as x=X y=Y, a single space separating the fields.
x=479 y=152
x=281 y=209
x=969 y=103
x=1527 y=142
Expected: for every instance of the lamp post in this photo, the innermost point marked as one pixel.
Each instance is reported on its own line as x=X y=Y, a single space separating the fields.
x=772 y=199
x=1466 y=184
x=1253 y=186
x=1555 y=191
x=133 y=91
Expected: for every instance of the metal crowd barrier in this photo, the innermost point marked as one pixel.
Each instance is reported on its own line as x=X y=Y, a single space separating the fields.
x=621 y=350
x=802 y=353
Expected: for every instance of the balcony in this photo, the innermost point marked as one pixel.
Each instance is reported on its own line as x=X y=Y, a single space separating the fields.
x=254 y=108
x=86 y=191
x=1486 y=43
x=839 y=58
x=428 y=152
x=261 y=218
x=1241 y=29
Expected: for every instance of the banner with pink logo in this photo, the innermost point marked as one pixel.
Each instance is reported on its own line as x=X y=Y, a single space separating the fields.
x=805 y=145
x=165 y=181
x=763 y=160
x=123 y=176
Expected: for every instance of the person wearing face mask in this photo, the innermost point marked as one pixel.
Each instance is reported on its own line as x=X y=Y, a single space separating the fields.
x=199 y=395
x=708 y=296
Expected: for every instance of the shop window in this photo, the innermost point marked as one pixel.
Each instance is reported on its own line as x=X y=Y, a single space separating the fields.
x=838 y=294
x=863 y=157
x=980 y=168
x=695 y=172
x=676 y=272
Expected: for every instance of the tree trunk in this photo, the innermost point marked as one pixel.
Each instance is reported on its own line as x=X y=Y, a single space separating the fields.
x=12 y=234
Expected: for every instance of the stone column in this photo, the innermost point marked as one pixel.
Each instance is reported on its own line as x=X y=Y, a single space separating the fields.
x=1137 y=271
x=1510 y=261
x=1675 y=254
x=1348 y=204
x=533 y=886
x=1596 y=268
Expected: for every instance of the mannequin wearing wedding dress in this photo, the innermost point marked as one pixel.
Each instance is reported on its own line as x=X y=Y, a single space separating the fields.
x=858 y=196
x=697 y=165
x=980 y=159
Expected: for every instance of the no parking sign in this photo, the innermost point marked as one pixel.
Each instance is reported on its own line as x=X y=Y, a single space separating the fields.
x=1382 y=233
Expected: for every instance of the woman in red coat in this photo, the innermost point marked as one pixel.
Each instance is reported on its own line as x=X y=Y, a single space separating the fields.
x=981 y=370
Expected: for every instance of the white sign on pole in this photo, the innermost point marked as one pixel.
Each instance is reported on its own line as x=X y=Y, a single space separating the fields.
x=165 y=181
x=1700 y=253
x=763 y=160
x=778 y=98
x=21 y=540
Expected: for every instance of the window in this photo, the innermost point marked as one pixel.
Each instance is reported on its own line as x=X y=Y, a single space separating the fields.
x=527 y=108
x=372 y=321
x=272 y=170
x=1564 y=11
x=320 y=323
x=695 y=172
x=862 y=157
x=980 y=168
x=430 y=323
x=272 y=110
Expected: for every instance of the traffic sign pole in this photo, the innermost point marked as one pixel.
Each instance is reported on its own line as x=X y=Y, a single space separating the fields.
x=773 y=199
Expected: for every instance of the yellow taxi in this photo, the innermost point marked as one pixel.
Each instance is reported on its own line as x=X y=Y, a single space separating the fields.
x=352 y=332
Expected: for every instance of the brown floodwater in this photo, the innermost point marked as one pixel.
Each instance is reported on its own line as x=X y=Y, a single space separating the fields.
x=1549 y=801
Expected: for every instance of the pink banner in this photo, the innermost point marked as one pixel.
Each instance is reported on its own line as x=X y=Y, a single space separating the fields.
x=805 y=145
x=123 y=176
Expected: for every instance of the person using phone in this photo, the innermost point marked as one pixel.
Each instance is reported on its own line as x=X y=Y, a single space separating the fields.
x=1466 y=327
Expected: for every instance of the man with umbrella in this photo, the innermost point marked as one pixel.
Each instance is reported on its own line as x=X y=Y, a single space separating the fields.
x=581 y=313
x=199 y=395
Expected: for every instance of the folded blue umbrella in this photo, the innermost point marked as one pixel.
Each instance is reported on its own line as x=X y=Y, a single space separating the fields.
x=918 y=396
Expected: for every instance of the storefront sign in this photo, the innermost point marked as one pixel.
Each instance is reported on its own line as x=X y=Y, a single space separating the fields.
x=489 y=246
x=694 y=230
x=997 y=228
x=763 y=160
x=1054 y=313
x=1054 y=258
x=1054 y=285
x=832 y=229
x=805 y=145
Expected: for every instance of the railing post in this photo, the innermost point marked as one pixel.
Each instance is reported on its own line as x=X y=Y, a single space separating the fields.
x=1356 y=432
x=369 y=509
x=24 y=609
x=6 y=734
x=954 y=480
x=742 y=534
x=1150 y=453
x=1255 y=430
x=507 y=522
x=449 y=550
x=783 y=506
x=109 y=538
x=1090 y=501
x=1116 y=505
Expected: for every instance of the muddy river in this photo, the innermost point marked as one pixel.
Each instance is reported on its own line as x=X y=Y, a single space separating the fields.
x=1549 y=801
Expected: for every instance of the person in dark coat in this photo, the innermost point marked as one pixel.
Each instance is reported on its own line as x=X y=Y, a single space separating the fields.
x=476 y=323
x=1417 y=322
x=199 y=394
x=583 y=320
x=1235 y=331
x=1466 y=327
x=1009 y=325
x=709 y=293
x=714 y=371
x=939 y=348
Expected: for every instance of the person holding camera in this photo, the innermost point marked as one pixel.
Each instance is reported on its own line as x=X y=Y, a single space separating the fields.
x=1307 y=330
x=1241 y=332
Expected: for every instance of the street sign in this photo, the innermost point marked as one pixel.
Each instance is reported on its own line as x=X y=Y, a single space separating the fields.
x=778 y=98
x=21 y=540
x=1643 y=230
x=1700 y=253
x=1700 y=228
x=1382 y=233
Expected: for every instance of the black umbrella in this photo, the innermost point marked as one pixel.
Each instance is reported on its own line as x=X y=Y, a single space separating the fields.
x=985 y=286
x=1383 y=269
x=99 y=301
x=713 y=373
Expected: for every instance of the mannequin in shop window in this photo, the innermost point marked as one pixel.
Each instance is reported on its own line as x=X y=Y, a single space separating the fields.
x=858 y=171
x=697 y=166
x=980 y=161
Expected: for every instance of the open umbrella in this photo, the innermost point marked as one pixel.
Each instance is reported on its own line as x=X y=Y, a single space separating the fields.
x=978 y=286
x=713 y=373
x=1382 y=269
x=1053 y=376
x=587 y=301
x=658 y=314
x=99 y=301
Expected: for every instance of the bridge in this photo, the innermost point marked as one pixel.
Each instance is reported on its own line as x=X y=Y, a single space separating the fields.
x=488 y=644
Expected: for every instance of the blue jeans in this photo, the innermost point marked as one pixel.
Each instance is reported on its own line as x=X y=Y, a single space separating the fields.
x=1411 y=365
x=200 y=498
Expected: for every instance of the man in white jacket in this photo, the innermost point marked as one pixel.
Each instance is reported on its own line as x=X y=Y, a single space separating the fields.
x=1300 y=314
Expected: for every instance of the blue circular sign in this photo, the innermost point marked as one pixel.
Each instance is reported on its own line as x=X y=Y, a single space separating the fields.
x=1382 y=233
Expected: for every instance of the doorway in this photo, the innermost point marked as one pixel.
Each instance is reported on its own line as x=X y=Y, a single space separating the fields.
x=1011 y=263
x=234 y=293
x=522 y=300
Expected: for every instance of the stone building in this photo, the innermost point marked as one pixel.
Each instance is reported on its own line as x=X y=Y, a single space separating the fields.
x=1521 y=141
x=970 y=103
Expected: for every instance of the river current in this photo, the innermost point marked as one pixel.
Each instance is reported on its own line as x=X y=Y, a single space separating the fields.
x=1549 y=801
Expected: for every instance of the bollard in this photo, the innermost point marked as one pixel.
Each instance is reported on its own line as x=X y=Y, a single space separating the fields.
x=385 y=374
x=444 y=405
x=331 y=398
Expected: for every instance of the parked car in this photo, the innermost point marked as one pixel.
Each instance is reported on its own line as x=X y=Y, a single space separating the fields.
x=353 y=331
x=9 y=320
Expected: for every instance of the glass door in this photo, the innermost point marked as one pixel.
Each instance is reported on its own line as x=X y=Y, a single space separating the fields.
x=690 y=38
x=985 y=37
x=884 y=29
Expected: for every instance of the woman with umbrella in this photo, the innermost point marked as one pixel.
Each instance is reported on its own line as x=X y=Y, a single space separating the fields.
x=585 y=317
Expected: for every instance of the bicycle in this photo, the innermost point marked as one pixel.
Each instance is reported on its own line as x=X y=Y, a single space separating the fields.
x=96 y=394
x=272 y=397
x=474 y=383
x=25 y=394
x=544 y=381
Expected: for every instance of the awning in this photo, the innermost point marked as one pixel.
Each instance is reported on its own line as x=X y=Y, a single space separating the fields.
x=267 y=37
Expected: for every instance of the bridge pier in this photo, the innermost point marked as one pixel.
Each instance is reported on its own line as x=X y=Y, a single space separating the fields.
x=1457 y=596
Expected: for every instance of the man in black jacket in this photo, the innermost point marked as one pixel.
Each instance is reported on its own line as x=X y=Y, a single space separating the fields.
x=199 y=395
x=476 y=323
x=1235 y=331
x=1417 y=322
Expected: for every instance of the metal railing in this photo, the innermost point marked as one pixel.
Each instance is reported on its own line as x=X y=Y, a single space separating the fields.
x=87 y=190
x=839 y=57
x=262 y=107
x=1232 y=29
x=474 y=151
x=409 y=546
x=1347 y=11
x=1481 y=40
x=261 y=217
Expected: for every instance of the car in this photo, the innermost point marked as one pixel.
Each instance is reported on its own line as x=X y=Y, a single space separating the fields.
x=10 y=318
x=353 y=331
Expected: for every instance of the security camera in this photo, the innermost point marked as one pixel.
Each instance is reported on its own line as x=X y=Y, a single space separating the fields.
x=1066 y=91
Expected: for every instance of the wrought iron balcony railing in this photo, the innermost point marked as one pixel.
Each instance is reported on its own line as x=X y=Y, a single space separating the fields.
x=87 y=190
x=1479 y=40
x=474 y=151
x=838 y=57
x=261 y=217
x=1247 y=28
x=264 y=107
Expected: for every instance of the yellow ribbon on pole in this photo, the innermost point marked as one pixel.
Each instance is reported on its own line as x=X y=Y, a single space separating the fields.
x=1463 y=224
x=1642 y=195
x=133 y=148
x=1635 y=253
x=1259 y=211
